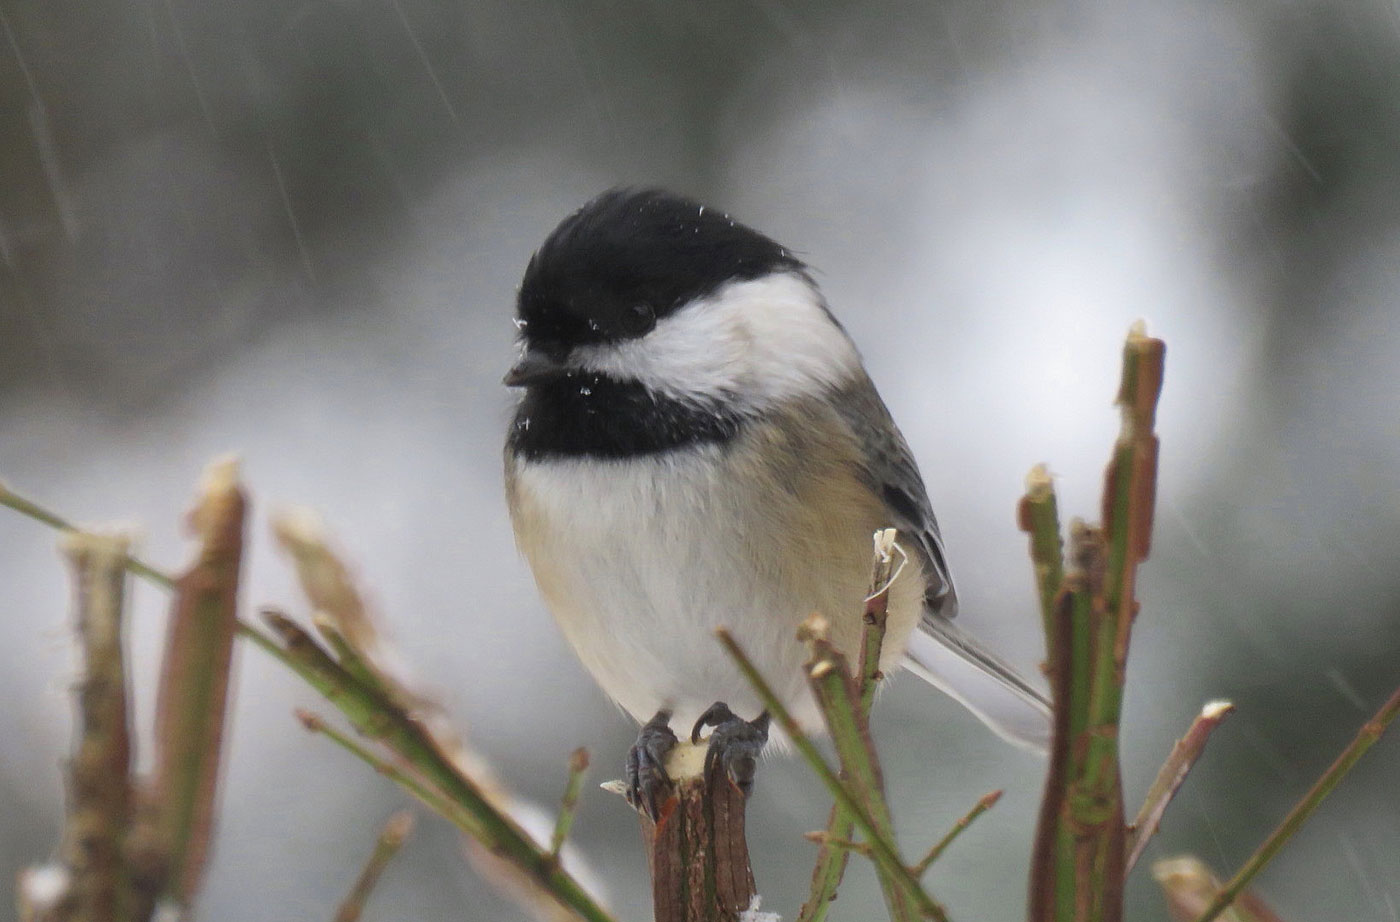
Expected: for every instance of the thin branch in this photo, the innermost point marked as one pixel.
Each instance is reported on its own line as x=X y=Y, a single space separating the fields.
x=884 y=853
x=371 y=712
x=193 y=695
x=1077 y=868
x=1365 y=738
x=99 y=783
x=568 y=805
x=1188 y=886
x=410 y=782
x=1169 y=779
x=697 y=850
x=1039 y=516
x=38 y=513
x=845 y=845
x=137 y=567
x=391 y=839
x=982 y=806
x=889 y=559
x=831 y=861
x=838 y=697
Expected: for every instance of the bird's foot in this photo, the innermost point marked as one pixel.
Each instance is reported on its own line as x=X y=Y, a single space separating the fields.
x=734 y=744
x=646 y=763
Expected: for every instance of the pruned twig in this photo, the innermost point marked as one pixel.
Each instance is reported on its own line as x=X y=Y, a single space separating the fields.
x=99 y=783
x=831 y=860
x=1189 y=886
x=884 y=853
x=984 y=804
x=193 y=696
x=697 y=849
x=1078 y=862
x=371 y=710
x=1169 y=779
x=1365 y=738
x=138 y=567
x=405 y=779
x=391 y=839
x=1039 y=517
x=568 y=804
x=838 y=697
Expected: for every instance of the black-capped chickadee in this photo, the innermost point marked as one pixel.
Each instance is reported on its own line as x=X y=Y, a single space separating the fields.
x=698 y=445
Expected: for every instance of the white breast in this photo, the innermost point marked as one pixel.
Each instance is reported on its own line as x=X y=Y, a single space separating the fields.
x=640 y=560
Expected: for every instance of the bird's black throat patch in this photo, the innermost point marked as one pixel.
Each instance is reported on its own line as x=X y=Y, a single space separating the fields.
x=590 y=415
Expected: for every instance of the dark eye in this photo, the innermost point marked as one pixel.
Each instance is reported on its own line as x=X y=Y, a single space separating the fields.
x=639 y=319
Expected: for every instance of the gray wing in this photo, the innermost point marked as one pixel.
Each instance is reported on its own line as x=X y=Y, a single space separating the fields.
x=893 y=475
x=891 y=472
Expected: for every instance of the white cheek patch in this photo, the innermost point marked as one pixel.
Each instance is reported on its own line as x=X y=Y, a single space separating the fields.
x=753 y=343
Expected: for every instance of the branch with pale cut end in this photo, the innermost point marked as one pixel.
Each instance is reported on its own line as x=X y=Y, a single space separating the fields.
x=326 y=580
x=1366 y=737
x=884 y=853
x=889 y=560
x=192 y=700
x=838 y=697
x=99 y=781
x=371 y=707
x=831 y=860
x=1039 y=517
x=376 y=715
x=1169 y=779
x=1078 y=863
x=1189 y=886
x=149 y=573
x=568 y=804
x=986 y=803
x=697 y=849
x=391 y=839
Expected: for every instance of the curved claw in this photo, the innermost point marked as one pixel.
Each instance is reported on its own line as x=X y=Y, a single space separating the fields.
x=735 y=743
x=646 y=763
x=715 y=715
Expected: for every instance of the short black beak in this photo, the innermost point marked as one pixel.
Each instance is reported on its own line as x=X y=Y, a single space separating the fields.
x=535 y=367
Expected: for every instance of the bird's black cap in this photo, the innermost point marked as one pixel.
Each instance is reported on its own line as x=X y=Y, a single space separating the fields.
x=630 y=257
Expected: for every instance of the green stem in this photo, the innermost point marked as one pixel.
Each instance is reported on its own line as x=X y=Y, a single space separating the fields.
x=884 y=852
x=379 y=718
x=982 y=806
x=390 y=840
x=1170 y=777
x=578 y=764
x=1039 y=517
x=425 y=795
x=1077 y=872
x=1365 y=738
x=831 y=860
x=839 y=700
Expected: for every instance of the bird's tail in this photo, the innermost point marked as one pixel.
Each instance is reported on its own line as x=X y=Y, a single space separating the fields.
x=950 y=660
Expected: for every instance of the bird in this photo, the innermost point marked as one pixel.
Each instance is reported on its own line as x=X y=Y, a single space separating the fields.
x=697 y=444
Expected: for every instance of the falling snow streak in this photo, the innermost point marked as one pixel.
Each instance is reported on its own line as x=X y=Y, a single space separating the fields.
x=19 y=58
x=43 y=140
x=291 y=216
x=189 y=68
x=6 y=252
x=427 y=64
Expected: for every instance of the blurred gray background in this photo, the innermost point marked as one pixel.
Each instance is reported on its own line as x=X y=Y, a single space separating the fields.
x=293 y=232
